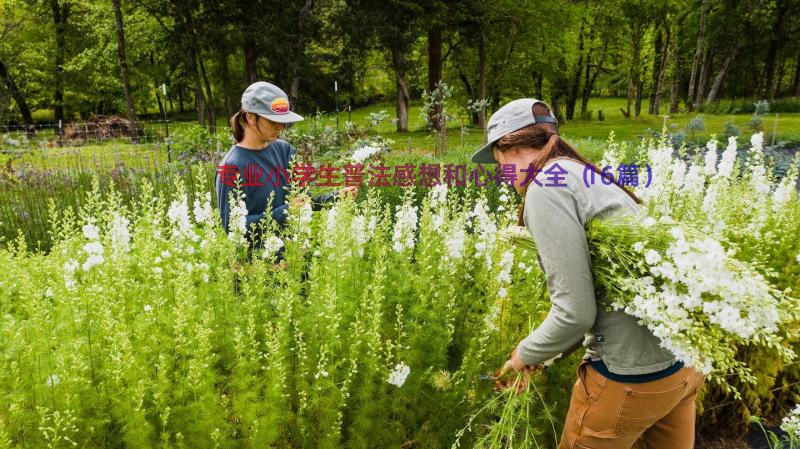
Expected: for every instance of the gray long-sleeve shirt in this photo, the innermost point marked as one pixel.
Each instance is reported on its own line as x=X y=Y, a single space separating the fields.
x=556 y=217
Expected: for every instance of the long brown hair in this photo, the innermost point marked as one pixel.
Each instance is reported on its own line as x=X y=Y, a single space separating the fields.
x=546 y=137
x=237 y=125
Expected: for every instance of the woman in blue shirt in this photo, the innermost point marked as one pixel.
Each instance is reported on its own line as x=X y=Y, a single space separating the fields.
x=261 y=160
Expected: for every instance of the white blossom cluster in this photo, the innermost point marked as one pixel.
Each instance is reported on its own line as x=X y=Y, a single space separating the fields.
x=178 y=214
x=399 y=374
x=364 y=153
x=693 y=284
x=504 y=275
x=272 y=245
x=203 y=210
x=120 y=235
x=69 y=274
x=404 y=227
x=791 y=423
x=93 y=248
x=237 y=223
x=455 y=242
x=486 y=231
x=438 y=205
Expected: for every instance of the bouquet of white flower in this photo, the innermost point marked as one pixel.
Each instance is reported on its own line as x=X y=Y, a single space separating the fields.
x=689 y=290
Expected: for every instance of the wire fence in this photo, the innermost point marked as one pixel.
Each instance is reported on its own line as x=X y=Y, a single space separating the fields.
x=109 y=132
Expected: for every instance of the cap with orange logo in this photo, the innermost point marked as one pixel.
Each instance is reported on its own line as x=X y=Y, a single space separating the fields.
x=270 y=102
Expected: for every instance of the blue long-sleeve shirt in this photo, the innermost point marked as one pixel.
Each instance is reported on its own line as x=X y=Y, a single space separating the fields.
x=263 y=173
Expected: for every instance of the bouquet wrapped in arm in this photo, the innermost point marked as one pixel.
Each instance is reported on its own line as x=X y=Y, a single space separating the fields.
x=687 y=288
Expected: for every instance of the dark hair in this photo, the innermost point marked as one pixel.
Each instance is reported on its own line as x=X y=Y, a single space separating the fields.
x=546 y=137
x=237 y=125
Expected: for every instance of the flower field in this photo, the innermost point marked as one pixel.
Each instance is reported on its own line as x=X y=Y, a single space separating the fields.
x=146 y=325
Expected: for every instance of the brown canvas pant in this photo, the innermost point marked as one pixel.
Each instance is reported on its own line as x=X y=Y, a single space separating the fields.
x=604 y=414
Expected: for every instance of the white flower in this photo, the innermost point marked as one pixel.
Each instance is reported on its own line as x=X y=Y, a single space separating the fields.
x=272 y=245
x=757 y=140
x=361 y=154
x=158 y=270
x=358 y=230
x=148 y=308
x=165 y=254
x=69 y=272
x=487 y=234
x=502 y=293
x=52 y=380
x=94 y=259
x=404 y=227
x=710 y=167
x=649 y=222
x=91 y=232
x=506 y=263
x=638 y=247
x=237 y=223
x=798 y=257
x=791 y=423
x=652 y=257
x=728 y=159
x=178 y=214
x=399 y=374
x=120 y=235
x=203 y=212
x=454 y=242
x=48 y=293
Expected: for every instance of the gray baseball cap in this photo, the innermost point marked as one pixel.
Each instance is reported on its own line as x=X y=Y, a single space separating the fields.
x=270 y=102
x=511 y=117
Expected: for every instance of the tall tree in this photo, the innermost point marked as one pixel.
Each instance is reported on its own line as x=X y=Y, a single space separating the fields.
x=123 y=60
x=60 y=10
x=776 y=41
x=698 y=53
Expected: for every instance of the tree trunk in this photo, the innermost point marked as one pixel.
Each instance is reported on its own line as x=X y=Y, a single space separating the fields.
x=226 y=85
x=572 y=96
x=797 y=78
x=775 y=42
x=212 y=116
x=250 y=57
x=161 y=105
x=19 y=98
x=538 y=83
x=674 y=91
x=60 y=16
x=588 y=84
x=199 y=100
x=660 y=70
x=712 y=93
x=294 y=90
x=635 y=86
x=123 y=64
x=482 y=81
x=434 y=73
x=401 y=103
x=704 y=72
x=697 y=54
x=555 y=105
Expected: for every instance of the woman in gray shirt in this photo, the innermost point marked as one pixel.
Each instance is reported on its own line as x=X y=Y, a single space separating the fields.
x=630 y=391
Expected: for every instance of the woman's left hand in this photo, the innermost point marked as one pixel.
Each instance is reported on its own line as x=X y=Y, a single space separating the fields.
x=351 y=191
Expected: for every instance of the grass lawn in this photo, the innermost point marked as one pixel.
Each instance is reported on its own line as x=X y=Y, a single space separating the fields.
x=417 y=144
